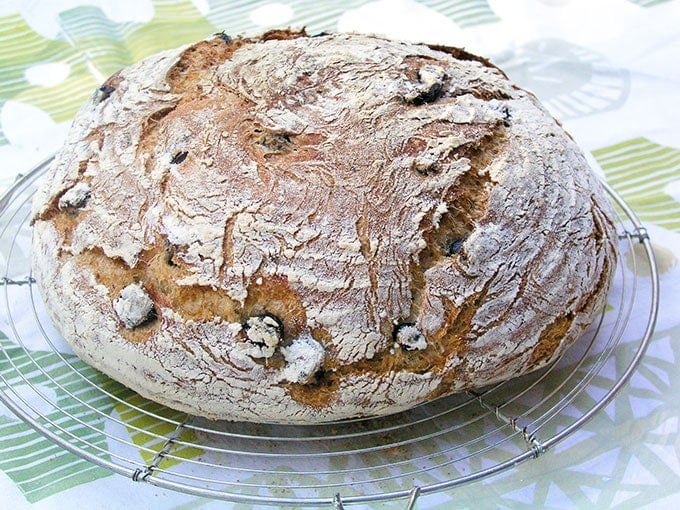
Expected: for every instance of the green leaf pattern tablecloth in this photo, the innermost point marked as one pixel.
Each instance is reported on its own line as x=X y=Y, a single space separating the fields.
x=608 y=69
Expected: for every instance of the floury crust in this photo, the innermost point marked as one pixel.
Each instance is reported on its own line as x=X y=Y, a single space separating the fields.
x=327 y=227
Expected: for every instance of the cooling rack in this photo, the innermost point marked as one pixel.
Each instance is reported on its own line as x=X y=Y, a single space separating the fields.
x=439 y=445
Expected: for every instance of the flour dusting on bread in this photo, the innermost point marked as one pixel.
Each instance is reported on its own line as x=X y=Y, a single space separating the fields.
x=302 y=229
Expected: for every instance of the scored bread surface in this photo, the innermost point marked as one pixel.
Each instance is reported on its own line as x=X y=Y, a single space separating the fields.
x=302 y=229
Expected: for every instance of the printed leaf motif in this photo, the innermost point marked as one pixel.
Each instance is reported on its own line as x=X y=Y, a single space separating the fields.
x=466 y=13
x=38 y=466
x=235 y=17
x=572 y=81
x=92 y=46
x=612 y=446
x=639 y=170
x=648 y=3
x=151 y=433
x=24 y=48
x=165 y=32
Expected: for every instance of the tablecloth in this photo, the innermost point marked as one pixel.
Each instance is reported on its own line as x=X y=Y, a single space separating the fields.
x=609 y=70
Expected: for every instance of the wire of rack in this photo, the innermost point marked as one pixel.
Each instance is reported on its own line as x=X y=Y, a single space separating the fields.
x=439 y=445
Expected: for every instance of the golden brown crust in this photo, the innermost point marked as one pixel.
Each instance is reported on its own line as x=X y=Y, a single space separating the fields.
x=326 y=227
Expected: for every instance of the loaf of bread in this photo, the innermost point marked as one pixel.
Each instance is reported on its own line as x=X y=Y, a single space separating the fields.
x=299 y=229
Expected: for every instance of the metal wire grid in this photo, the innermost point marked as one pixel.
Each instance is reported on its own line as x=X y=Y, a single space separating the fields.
x=435 y=446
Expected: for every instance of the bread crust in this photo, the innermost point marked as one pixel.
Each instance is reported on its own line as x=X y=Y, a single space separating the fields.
x=323 y=228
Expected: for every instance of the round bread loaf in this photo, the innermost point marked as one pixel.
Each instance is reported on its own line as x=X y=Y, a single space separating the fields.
x=302 y=229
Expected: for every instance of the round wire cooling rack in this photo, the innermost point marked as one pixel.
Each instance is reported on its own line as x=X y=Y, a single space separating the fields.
x=435 y=446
